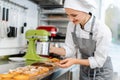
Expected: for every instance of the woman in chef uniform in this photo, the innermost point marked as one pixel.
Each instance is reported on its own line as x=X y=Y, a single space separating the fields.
x=88 y=35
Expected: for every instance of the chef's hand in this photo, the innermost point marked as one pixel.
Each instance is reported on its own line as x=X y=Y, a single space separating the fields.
x=52 y=49
x=56 y=50
x=67 y=62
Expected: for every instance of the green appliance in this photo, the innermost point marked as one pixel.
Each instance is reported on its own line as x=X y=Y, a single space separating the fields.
x=33 y=36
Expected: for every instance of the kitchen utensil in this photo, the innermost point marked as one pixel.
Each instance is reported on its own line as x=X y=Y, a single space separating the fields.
x=12 y=32
x=33 y=36
x=4 y=23
x=2 y=28
x=43 y=47
x=22 y=28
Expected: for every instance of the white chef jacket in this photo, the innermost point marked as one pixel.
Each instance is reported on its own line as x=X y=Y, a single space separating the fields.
x=102 y=36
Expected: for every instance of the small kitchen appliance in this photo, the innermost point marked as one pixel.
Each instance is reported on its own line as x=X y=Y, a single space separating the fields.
x=51 y=29
x=33 y=36
x=53 y=32
x=43 y=47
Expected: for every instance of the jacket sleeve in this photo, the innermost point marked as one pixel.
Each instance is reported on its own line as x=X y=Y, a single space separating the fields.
x=103 y=40
x=69 y=45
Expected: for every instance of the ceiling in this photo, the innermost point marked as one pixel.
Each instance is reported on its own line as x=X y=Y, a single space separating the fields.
x=48 y=4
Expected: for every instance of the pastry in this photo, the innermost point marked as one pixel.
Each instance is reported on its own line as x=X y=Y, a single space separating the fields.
x=49 y=66
x=43 y=70
x=6 y=76
x=54 y=60
x=21 y=77
x=15 y=72
x=32 y=72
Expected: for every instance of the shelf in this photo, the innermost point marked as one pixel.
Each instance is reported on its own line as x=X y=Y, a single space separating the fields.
x=49 y=4
x=53 y=13
x=50 y=7
x=55 y=17
x=59 y=19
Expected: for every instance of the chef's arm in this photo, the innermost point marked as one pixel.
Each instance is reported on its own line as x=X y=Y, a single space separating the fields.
x=59 y=51
x=84 y=62
x=71 y=61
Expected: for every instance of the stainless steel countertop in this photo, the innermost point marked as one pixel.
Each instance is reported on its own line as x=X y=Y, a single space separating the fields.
x=6 y=65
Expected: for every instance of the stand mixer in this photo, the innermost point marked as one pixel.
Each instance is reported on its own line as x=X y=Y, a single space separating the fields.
x=33 y=36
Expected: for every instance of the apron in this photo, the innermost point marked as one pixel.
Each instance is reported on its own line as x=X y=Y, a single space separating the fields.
x=87 y=48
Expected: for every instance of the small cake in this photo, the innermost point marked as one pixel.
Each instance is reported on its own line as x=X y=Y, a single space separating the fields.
x=15 y=72
x=48 y=65
x=21 y=77
x=6 y=76
x=7 y=79
x=54 y=60
x=32 y=72
x=43 y=70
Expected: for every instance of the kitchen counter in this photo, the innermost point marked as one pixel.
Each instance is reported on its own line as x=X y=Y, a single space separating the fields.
x=5 y=66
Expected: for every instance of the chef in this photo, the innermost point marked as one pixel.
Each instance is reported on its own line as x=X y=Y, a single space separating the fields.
x=88 y=35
